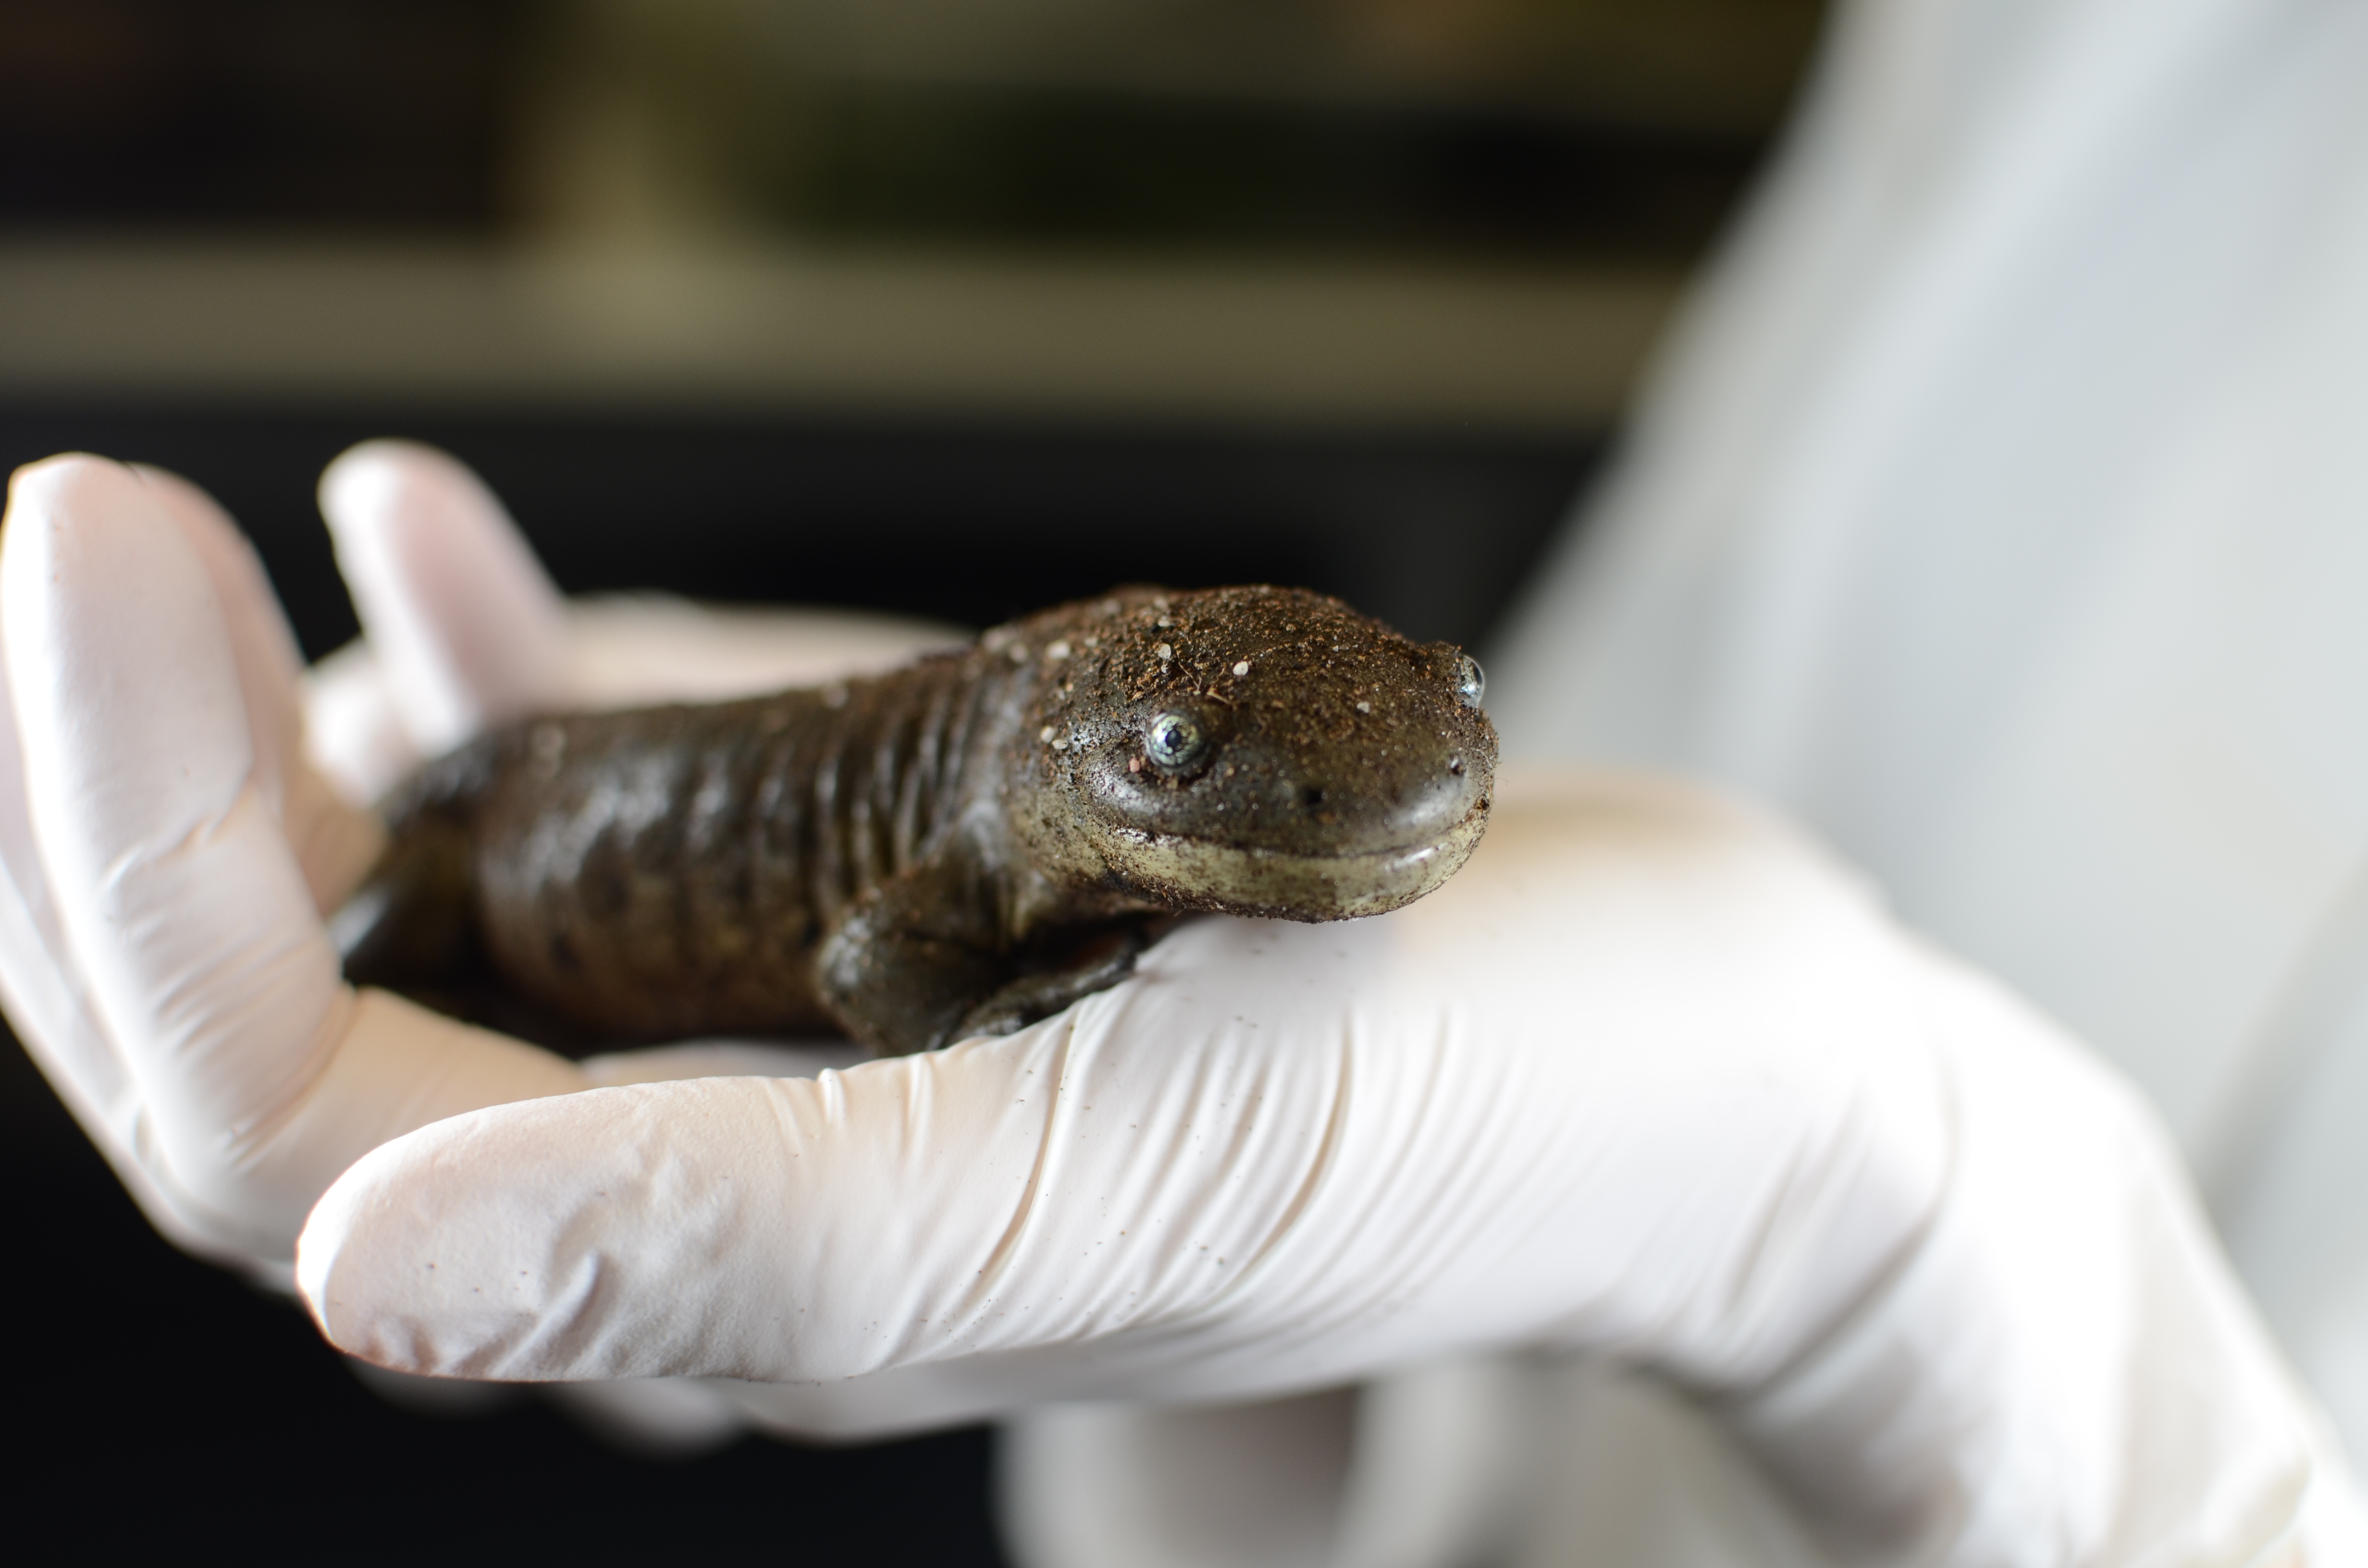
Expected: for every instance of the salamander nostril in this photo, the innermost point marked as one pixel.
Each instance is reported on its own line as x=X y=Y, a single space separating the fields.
x=1313 y=795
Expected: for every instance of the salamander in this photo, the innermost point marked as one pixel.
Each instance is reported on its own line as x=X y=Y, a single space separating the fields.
x=959 y=846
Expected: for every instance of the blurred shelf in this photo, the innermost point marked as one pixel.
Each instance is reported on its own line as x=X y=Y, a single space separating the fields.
x=472 y=325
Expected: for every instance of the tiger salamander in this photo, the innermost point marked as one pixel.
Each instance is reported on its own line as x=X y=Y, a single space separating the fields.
x=959 y=846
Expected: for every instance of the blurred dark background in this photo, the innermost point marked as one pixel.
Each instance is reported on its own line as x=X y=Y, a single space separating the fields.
x=969 y=520
x=1572 y=127
x=926 y=305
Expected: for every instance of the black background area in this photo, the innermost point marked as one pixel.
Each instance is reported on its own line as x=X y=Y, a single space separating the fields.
x=971 y=522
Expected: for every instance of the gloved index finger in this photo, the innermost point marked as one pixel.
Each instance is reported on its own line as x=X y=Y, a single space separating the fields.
x=1630 y=1076
x=904 y=1211
x=335 y=842
x=257 y=1070
x=48 y=997
x=45 y=1000
x=262 y=647
x=193 y=927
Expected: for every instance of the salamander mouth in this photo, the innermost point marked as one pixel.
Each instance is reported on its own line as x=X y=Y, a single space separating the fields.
x=1231 y=879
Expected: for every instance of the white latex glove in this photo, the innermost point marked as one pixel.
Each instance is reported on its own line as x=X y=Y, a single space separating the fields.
x=168 y=849
x=169 y=845
x=1647 y=1078
x=189 y=1010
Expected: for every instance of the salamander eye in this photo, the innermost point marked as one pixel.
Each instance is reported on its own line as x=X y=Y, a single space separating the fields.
x=1174 y=741
x=1471 y=682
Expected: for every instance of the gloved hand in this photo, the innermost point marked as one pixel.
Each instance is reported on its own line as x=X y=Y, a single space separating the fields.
x=170 y=839
x=1647 y=1078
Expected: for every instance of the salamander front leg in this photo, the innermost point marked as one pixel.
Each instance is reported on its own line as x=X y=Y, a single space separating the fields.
x=913 y=957
x=922 y=961
x=1081 y=967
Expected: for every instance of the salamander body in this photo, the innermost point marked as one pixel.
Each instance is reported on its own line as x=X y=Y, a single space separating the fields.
x=959 y=846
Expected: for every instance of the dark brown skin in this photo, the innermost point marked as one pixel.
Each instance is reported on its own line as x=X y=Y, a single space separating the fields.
x=959 y=847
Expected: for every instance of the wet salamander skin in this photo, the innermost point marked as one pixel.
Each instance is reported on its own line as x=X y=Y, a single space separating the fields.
x=957 y=846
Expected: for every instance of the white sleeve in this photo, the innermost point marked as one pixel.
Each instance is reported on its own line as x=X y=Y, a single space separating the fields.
x=1998 y=511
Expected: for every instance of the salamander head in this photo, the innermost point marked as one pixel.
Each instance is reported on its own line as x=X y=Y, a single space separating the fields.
x=1253 y=751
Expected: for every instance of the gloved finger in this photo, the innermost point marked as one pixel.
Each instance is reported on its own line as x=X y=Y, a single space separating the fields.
x=262 y=648
x=654 y=1419
x=334 y=843
x=354 y=731
x=48 y=1002
x=142 y=777
x=1415 y=1470
x=467 y=629
x=1216 y=1177
x=722 y=1059
x=1255 y=1485
x=193 y=930
x=48 y=1006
